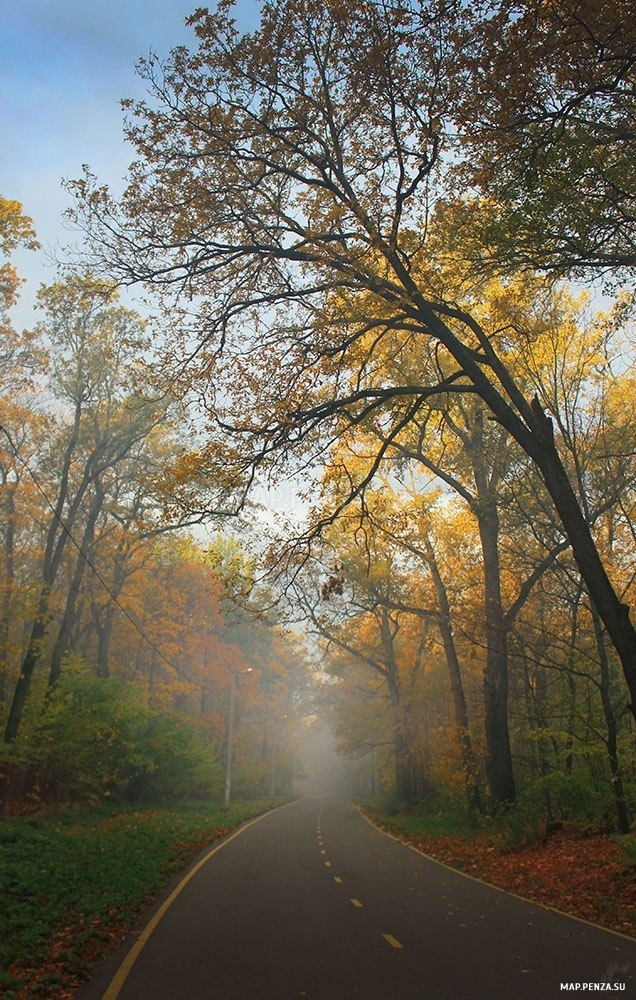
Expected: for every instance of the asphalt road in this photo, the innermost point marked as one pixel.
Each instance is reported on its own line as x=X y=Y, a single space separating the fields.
x=312 y=902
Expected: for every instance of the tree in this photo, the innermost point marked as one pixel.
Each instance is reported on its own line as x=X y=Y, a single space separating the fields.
x=601 y=450
x=284 y=178
x=404 y=524
x=16 y=358
x=16 y=229
x=95 y=350
x=548 y=116
x=477 y=475
x=24 y=432
x=372 y=633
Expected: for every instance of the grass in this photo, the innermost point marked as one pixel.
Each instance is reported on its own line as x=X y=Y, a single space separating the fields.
x=417 y=823
x=72 y=882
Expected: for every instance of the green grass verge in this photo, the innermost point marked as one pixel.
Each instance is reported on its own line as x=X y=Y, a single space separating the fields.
x=417 y=824
x=68 y=879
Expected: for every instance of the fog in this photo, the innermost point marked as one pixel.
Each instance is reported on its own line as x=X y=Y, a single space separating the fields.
x=324 y=772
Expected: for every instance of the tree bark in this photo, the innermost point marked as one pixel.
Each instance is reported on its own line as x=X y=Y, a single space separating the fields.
x=611 y=741
x=614 y=614
x=29 y=662
x=8 y=582
x=469 y=764
x=105 y=628
x=403 y=785
x=499 y=770
x=62 y=640
x=56 y=539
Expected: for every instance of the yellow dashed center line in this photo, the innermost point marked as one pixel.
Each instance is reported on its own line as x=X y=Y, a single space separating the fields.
x=357 y=904
x=392 y=941
x=337 y=879
x=327 y=864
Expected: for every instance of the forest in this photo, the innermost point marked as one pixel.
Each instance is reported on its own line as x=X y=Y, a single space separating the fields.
x=388 y=251
x=123 y=638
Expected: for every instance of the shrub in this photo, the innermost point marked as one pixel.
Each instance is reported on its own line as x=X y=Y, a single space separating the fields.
x=97 y=739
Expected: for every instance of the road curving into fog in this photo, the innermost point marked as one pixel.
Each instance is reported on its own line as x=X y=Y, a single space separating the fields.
x=310 y=901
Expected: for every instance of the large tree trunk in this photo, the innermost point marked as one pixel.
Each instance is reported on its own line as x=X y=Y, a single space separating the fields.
x=403 y=784
x=614 y=614
x=499 y=771
x=501 y=782
x=469 y=764
x=611 y=740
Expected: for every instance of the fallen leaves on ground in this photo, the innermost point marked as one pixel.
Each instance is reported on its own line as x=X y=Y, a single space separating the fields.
x=586 y=877
x=78 y=947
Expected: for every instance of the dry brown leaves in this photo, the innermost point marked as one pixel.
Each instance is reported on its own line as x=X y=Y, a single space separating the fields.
x=584 y=877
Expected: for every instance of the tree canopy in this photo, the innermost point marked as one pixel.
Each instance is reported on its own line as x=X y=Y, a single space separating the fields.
x=358 y=222
x=287 y=181
x=548 y=134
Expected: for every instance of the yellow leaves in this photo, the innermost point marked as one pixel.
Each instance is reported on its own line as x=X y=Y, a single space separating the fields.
x=77 y=295
x=10 y=282
x=16 y=229
x=186 y=466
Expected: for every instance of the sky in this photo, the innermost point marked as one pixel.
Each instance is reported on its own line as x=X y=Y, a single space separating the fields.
x=64 y=67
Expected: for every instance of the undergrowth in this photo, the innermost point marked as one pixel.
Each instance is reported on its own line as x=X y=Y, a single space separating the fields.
x=71 y=875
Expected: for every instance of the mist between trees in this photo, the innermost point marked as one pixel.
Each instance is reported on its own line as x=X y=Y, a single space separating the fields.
x=362 y=223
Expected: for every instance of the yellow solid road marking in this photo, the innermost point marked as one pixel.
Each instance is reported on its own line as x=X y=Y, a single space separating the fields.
x=337 y=879
x=357 y=903
x=392 y=941
x=122 y=973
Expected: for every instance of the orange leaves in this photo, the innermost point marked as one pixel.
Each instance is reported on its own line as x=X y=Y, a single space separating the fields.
x=582 y=876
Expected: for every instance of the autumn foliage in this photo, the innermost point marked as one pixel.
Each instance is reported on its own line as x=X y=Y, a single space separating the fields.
x=359 y=227
x=120 y=634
